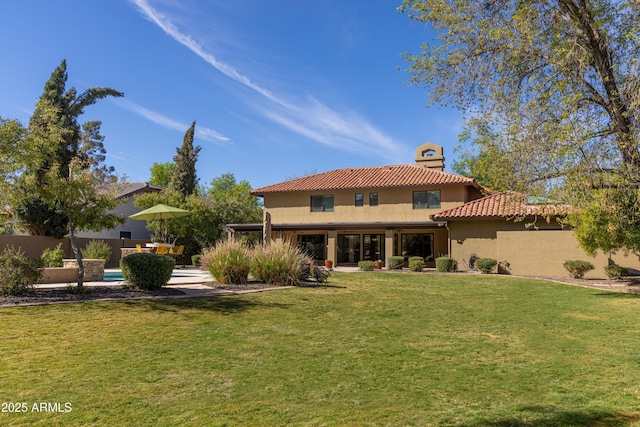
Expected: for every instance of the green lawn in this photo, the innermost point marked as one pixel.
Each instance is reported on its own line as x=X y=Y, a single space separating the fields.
x=370 y=349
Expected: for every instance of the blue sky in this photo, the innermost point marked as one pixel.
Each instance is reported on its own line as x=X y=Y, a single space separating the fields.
x=277 y=87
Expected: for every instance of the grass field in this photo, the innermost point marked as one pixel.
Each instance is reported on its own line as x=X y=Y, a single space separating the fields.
x=370 y=349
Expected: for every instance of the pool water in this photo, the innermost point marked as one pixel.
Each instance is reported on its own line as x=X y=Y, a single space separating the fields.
x=113 y=275
x=116 y=276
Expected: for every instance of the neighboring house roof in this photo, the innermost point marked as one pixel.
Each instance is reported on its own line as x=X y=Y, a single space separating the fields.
x=132 y=188
x=502 y=205
x=368 y=177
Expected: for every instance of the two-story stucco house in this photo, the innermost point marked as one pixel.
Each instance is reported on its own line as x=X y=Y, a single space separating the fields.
x=372 y=213
x=368 y=213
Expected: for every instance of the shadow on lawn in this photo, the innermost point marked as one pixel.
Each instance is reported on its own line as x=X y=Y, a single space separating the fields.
x=222 y=304
x=625 y=295
x=540 y=416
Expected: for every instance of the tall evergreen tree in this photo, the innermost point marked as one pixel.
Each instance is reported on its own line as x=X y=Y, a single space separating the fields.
x=56 y=112
x=183 y=178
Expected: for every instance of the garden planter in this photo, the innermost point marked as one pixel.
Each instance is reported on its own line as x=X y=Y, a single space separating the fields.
x=328 y=264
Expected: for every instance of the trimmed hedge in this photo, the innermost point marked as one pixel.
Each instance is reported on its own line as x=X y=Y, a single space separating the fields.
x=366 y=265
x=147 y=271
x=395 y=262
x=446 y=264
x=195 y=260
x=486 y=265
x=614 y=271
x=416 y=263
x=577 y=268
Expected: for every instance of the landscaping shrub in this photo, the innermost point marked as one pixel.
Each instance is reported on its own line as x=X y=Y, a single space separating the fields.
x=52 y=257
x=228 y=262
x=280 y=263
x=394 y=262
x=97 y=249
x=486 y=265
x=195 y=259
x=366 y=265
x=18 y=273
x=614 y=271
x=416 y=263
x=578 y=268
x=147 y=271
x=446 y=264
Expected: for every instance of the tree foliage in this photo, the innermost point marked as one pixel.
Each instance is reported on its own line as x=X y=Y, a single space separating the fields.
x=56 y=140
x=161 y=173
x=559 y=82
x=184 y=179
x=65 y=186
x=226 y=201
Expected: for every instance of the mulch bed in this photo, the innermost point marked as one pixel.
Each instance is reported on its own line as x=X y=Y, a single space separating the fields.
x=47 y=296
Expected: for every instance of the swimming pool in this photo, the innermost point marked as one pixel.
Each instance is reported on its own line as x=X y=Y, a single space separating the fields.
x=116 y=276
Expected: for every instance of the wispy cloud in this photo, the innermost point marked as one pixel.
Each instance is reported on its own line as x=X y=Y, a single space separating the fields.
x=157 y=118
x=308 y=117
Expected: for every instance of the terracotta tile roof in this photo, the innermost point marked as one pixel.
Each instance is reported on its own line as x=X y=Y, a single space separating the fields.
x=501 y=205
x=368 y=177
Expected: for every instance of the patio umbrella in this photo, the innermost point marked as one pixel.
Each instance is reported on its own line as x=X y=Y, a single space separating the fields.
x=160 y=212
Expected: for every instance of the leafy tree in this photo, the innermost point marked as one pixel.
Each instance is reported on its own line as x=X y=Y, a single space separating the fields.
x=55 y=141
x=12 y=162
x=161 y=173
x=85 y=192
x=559 y=82
x=183 y=178
x=233 y=202
x=195 y=231
x=226 y=201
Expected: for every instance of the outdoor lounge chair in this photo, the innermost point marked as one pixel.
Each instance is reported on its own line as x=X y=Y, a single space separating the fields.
x=321 y=274
x=161 y=250
x=139 y=248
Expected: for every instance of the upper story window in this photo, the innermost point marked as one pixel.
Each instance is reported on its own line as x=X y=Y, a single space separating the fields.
x=359 y=199
x=322 y=203
x=373 y=199
x=426 y=199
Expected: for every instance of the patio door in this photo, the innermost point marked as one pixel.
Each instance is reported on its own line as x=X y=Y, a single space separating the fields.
x=314 y=244
x=348 y=248
x=373 y=247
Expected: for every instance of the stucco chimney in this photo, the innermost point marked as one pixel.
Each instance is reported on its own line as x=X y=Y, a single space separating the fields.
x=430 y=155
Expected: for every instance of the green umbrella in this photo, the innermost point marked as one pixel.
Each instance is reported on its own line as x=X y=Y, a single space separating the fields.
x=160 y=213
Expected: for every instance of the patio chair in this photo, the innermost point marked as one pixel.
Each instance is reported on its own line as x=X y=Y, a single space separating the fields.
x=321 y=274
x=139 y=248
x=176 y=252
x=161 y=250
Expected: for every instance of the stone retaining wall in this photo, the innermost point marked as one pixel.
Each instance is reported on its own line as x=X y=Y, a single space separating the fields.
x=68 y=273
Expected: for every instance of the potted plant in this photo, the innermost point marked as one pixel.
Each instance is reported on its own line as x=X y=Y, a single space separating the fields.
x=379 y=264
x=328 y=263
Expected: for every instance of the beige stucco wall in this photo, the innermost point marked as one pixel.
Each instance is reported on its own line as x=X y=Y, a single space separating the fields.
x=393 y=205
x=529 y=252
